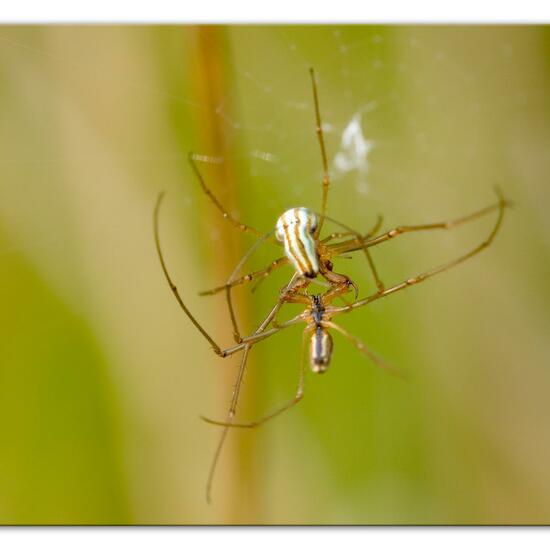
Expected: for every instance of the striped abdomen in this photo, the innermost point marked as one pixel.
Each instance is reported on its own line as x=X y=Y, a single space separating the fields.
x=320 y=352
x=295 y=228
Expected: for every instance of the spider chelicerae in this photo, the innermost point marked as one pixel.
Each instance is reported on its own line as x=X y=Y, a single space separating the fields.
x=298 y=231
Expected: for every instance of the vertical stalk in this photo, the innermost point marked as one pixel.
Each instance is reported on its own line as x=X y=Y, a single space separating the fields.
x=211 y=80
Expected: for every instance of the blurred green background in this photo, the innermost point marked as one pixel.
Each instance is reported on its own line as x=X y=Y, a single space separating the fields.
x=102 y=378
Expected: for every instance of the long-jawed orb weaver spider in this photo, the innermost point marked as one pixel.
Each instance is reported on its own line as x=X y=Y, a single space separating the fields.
x=298 y=230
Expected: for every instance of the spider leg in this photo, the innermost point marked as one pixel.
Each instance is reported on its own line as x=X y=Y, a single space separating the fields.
x=237 y=224
x=171 y=284
x=340 y=235
x=262 y=277
x=321 y=138
x=430 y=273
x=254 y=276
x=294 y=401
x=324 y=158
x=262 y=335
x=297 y=283
x=352 y=245
x=230 y=416
x=359 y=239
x=379 y=284
x=362 y=347
x=228 y=286
x=295 y=298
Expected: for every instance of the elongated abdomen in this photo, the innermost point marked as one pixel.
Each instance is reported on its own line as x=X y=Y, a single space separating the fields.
x=295 y=229
x=320 y=350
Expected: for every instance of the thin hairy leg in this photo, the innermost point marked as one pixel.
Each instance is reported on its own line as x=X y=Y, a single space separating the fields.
x=235 y=223
x=359 y=239
x=295 y=298
x=340 y=235
x=294 y=401
x=362 y=347
x=258 y=336
x=427 y=274
x=254 y=276
x=230 y=416
x=379 y=284
x=171 y=284
x=349 y=231
x=297 y=283
x=232 y=277
x=352 y=245
x=321 y=138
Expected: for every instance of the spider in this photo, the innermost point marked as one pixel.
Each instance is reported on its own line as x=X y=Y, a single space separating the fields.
x=298 y=231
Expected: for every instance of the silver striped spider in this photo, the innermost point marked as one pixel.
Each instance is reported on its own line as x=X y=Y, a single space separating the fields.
x=298 y=230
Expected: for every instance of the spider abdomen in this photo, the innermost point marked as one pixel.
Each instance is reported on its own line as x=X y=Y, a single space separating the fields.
x=320 y=350
x=295 y=229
